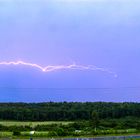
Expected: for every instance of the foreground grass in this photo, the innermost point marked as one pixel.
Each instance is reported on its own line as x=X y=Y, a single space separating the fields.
x=44 y=135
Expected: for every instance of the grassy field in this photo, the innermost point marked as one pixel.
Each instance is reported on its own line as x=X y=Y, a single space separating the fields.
x=11 y=123
x=24 y=134
x=44 y=134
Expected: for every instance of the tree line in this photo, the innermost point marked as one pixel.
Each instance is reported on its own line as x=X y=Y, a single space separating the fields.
x=67 y=111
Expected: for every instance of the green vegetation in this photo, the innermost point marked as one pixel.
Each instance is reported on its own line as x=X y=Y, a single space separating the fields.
x=69 y=119
x=134 y=139
x=95 y=120
x=122 y=126
x=64 y=111
x=33 y=124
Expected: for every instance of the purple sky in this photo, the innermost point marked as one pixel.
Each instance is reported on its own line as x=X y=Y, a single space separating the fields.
x=104 y=33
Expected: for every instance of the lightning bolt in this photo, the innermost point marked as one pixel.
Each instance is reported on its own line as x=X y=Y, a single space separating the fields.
x=51 y=68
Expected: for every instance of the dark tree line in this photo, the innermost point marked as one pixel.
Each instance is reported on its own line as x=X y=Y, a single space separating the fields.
x=69 y=111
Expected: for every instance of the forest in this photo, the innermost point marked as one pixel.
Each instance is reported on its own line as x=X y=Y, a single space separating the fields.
x=67 y=111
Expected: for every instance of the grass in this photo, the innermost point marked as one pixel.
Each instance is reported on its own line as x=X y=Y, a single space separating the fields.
x=5 y=134
x=43 y=135
x=20 y=123
x=24 y=134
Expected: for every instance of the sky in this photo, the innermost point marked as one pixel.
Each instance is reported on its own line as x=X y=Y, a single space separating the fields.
x=99 y=36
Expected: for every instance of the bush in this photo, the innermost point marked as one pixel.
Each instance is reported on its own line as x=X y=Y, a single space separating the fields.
x=16 y=133
x=52 y=134
x=61 y=132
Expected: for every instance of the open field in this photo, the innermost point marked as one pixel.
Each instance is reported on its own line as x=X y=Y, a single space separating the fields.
x=19 y=123
x=47 y=129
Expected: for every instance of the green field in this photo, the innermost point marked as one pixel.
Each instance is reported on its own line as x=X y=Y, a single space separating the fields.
x=19 y=123
x=67 y=129
x=24 y=134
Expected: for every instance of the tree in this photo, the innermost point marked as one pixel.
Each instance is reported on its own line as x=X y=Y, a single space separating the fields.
x=94 y=120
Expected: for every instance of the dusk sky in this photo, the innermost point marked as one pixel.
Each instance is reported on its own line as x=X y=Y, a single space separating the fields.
x=101 y=38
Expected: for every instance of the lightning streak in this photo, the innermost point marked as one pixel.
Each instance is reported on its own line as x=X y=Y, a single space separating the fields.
x=51 y=68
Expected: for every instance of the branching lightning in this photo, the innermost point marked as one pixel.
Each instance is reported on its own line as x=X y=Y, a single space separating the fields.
x=51 y=68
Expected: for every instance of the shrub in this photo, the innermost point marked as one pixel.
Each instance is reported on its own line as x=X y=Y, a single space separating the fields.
x=16 y=133
x=61 y=132
x=52 y=134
